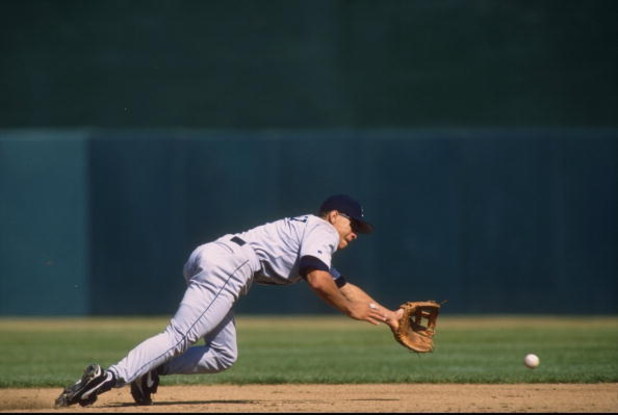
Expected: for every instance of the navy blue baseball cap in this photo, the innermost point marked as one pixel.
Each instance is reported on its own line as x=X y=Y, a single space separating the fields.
x=349 y=207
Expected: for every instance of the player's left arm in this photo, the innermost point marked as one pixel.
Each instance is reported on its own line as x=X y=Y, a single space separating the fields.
x=354 y=293
x=321 y=282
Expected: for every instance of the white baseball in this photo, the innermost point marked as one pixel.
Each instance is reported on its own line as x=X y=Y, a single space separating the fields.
x=531 y=360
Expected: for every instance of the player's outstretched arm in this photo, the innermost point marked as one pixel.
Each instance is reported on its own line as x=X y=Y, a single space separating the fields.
x=321 y=282
x=355 y=293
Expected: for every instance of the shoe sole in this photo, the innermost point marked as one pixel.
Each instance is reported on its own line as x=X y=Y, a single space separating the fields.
x=142 y=394
x=138 y=394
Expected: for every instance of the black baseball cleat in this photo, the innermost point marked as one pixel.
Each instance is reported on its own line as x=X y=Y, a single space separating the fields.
x=144 y=387
x=93 y=382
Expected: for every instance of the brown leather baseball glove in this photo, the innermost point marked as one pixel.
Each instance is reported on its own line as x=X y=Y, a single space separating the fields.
x=417 y=325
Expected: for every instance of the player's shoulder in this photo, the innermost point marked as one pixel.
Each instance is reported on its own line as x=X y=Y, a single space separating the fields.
x=315 y=226
x=308 y=220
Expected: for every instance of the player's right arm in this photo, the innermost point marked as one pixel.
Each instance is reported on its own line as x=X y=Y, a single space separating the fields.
x=321 y=282
x=355 y=293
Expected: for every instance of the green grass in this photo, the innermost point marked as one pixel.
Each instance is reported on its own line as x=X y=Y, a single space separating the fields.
x=332 y=349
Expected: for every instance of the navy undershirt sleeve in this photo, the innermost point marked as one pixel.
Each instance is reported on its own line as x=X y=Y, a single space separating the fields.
x=310 y=263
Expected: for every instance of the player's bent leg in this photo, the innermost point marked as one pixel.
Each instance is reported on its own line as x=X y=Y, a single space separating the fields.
x=203 y=308
x=218 y=353
x=212 y=358
x=200 y=359
x=217 y=276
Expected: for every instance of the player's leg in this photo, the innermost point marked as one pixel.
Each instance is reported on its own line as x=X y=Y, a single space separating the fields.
x=201 y=310
x=207 y=302
x=217 y=354
x=211 y=294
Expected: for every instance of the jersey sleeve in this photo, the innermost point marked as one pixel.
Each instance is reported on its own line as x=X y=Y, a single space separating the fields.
x=320 y=242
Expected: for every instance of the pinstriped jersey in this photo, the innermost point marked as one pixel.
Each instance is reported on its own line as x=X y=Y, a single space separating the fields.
x=280 y=245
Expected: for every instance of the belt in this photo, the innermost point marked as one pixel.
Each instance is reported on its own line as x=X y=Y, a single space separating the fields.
x=238 y=241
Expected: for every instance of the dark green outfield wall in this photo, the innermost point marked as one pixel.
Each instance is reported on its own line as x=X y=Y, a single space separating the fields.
x=308 y=63
x=481 y=136
x=101 y=222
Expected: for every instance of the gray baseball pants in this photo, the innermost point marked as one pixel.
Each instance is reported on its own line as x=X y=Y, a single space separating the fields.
x=217 y=274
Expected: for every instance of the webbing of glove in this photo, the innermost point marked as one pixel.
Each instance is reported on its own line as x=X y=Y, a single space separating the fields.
x=418 y=325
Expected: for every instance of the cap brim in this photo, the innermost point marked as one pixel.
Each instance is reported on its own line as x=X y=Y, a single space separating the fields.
x=362 y=226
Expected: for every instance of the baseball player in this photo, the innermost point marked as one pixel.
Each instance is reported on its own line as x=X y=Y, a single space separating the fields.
x=217 y=273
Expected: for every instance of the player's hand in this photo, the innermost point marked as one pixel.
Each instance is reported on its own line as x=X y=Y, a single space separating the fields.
x=394 y=318
x=372 y=313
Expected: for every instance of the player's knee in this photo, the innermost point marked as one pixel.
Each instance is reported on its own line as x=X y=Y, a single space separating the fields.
x=225 y=358
x=229 y=357
x=180 y=341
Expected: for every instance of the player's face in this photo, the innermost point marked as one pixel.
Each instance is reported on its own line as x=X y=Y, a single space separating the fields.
x=346 y=230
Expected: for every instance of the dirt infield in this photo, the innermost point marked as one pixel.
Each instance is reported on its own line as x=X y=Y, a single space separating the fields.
x=340 y=398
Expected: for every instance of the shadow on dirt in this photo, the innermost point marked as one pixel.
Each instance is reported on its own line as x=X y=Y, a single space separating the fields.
x=168 y=403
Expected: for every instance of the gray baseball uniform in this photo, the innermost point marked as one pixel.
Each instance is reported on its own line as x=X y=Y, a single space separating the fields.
x=217 y=274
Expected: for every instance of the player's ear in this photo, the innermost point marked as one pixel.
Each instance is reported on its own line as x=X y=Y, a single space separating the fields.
x=331 y=217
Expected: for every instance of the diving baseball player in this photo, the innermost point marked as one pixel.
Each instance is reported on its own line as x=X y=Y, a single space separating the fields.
x=217 y=273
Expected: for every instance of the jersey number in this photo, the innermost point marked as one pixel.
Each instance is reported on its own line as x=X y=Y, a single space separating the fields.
x=302 y=219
